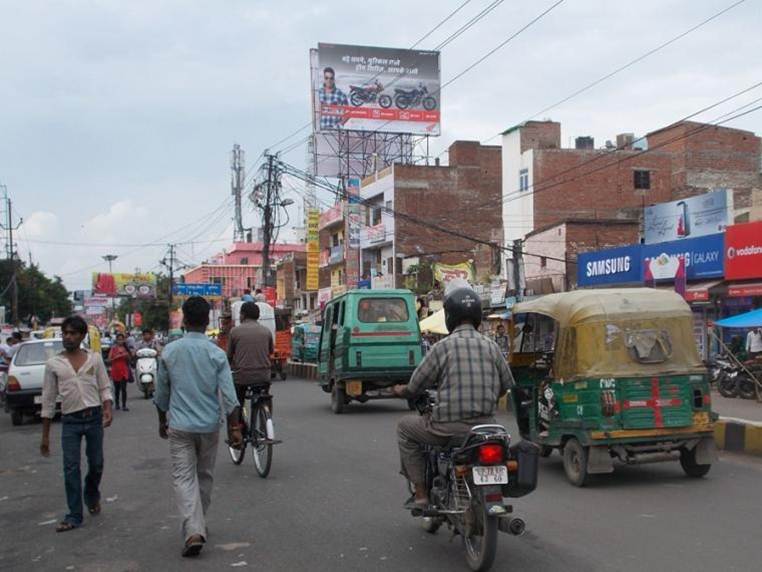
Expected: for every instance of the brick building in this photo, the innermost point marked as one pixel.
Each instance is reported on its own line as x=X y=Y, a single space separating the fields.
x=291 y=281
x=237 y=269
x=709 y=157
x=459 y=197
x=551 y=266
x=544 y=184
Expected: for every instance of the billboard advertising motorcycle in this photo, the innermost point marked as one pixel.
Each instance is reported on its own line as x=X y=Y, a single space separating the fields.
x=363 y=88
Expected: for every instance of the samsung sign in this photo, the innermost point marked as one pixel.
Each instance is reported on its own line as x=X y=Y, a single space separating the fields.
x=612 y=266
x=626 y=265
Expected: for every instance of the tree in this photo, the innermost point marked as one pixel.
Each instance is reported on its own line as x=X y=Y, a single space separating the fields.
x=38 y=295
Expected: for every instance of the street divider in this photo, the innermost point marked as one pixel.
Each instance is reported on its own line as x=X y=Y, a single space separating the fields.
x=738 y=435
x=303 y=370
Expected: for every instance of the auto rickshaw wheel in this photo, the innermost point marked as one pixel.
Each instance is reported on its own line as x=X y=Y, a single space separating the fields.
x=690 y=466
x=338 y=398
x=575 y=462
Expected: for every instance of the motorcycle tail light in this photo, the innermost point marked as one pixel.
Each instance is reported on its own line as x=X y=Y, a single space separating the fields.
x=491 y=454
x=13 y=384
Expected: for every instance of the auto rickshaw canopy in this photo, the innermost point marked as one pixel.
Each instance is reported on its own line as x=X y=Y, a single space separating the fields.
x=618 y=332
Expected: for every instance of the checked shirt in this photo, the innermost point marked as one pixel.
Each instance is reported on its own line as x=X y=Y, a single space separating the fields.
x=469 y=373
x=335 y=97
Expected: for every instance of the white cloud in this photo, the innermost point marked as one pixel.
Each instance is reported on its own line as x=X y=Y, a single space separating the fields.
x=41 y=225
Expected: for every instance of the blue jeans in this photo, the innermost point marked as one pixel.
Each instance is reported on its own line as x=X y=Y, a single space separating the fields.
x=88 y=424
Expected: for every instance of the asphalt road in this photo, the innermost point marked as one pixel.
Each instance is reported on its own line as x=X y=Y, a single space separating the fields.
x=333 y=502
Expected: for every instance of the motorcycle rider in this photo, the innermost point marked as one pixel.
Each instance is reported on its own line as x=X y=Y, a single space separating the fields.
x=148 y=340
x=469 y=373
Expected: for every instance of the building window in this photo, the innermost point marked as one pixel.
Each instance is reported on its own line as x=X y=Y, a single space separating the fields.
x=524 y=180
x=215 y=280
x=245 y=260
x=641 y=179
x=375 y=216
x=543 y=261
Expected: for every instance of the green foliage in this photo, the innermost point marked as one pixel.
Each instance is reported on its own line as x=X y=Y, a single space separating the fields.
x=38 y=295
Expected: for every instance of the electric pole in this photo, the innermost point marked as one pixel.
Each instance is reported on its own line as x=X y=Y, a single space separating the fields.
x=267 y=222
x=237 y=178
x=518 y=268
x=170 y=265
x=10 y=250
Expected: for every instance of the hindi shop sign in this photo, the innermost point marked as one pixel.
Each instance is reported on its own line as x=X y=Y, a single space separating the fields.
x=205 y=290
x=611 y=266
x=743 y=251
x=703 y=257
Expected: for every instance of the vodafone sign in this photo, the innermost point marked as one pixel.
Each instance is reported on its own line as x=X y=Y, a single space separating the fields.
x=743 y=251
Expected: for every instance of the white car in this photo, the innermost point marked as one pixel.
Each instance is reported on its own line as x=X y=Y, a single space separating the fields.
x=23 y=389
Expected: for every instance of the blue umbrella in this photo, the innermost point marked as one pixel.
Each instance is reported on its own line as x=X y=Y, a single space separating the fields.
x=751 y=319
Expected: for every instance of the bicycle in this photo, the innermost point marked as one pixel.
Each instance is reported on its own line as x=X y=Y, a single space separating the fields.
x=258 y=431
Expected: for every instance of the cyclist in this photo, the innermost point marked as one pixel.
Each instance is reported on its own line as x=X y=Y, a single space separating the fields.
x=250 y=346
x=470 y=375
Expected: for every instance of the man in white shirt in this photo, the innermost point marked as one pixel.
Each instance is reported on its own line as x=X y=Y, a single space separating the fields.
x=754 y=343
x=80 y=377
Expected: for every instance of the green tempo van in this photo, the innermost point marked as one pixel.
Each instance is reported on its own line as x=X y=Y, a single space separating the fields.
x=369 y=341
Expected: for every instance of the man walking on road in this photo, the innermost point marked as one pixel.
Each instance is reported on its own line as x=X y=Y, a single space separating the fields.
x=80 y=377
x=249 y=349
x=193 y=383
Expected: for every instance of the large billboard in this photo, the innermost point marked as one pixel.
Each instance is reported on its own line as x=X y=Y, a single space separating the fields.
x=611 y=266
x=695 y=216
x=362 y=88
x=743 y=251
x=130 y=285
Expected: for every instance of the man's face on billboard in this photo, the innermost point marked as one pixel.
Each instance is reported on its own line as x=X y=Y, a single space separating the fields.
x=328 y=80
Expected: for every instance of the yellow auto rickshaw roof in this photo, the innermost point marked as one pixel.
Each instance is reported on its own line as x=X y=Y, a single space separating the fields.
x=607 y=304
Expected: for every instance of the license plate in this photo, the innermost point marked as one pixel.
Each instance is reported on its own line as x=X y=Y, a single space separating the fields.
x=497 y=475
x=354 y=388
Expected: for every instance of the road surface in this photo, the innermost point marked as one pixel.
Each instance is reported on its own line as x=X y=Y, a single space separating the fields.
x=333 y=502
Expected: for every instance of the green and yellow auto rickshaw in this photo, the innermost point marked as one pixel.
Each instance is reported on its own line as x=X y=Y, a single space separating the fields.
x=612 y=374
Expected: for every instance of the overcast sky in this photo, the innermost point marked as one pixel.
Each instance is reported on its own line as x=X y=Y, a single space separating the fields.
x=117 y=118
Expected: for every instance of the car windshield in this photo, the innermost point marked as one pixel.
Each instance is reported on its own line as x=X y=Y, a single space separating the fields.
x=38 y=353
x=374 y=310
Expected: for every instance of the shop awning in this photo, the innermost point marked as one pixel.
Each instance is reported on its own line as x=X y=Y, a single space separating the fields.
x=699 y=292
x=751 y=319
x=740 y=290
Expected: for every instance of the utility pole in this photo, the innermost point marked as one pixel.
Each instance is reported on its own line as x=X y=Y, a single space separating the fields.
x=518 y=268
x=170 y=265
x=267 y=221
x=237 y=178
x=10 y=250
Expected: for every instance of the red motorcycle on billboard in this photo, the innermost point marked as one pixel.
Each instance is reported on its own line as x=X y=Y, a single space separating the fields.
x=407 y=98
x=360 y=95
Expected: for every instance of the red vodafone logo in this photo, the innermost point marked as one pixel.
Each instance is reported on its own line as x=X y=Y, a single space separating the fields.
x=743 y=251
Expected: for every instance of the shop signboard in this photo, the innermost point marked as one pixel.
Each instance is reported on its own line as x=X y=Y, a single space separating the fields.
x=445 y=273
x=200 y=289
x=363 y=88
x=703 y=257
x=619 y=265
x=743 y=251
x=313 y=249
x=692 y=217
x=122 y=284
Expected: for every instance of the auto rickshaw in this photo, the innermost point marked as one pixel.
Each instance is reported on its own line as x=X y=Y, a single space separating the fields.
x=612 y=374
x=304 y=343
x=282 y=351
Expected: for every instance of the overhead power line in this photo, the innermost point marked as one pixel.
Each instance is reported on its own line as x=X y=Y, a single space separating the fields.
x=627 y=65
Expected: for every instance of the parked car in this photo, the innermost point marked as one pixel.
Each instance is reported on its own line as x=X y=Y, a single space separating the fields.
x=23 y=391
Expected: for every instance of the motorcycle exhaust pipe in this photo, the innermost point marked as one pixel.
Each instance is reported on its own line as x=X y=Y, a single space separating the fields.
x=515 y=526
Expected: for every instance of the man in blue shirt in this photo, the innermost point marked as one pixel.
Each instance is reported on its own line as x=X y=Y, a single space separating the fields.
x=194 y=385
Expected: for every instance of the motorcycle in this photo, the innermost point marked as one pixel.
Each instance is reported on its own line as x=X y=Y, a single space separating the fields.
x=723 y=374
x=359 y=95
x=471 y=481
x=145 y=370
x=730 y=379
x=407 y=98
